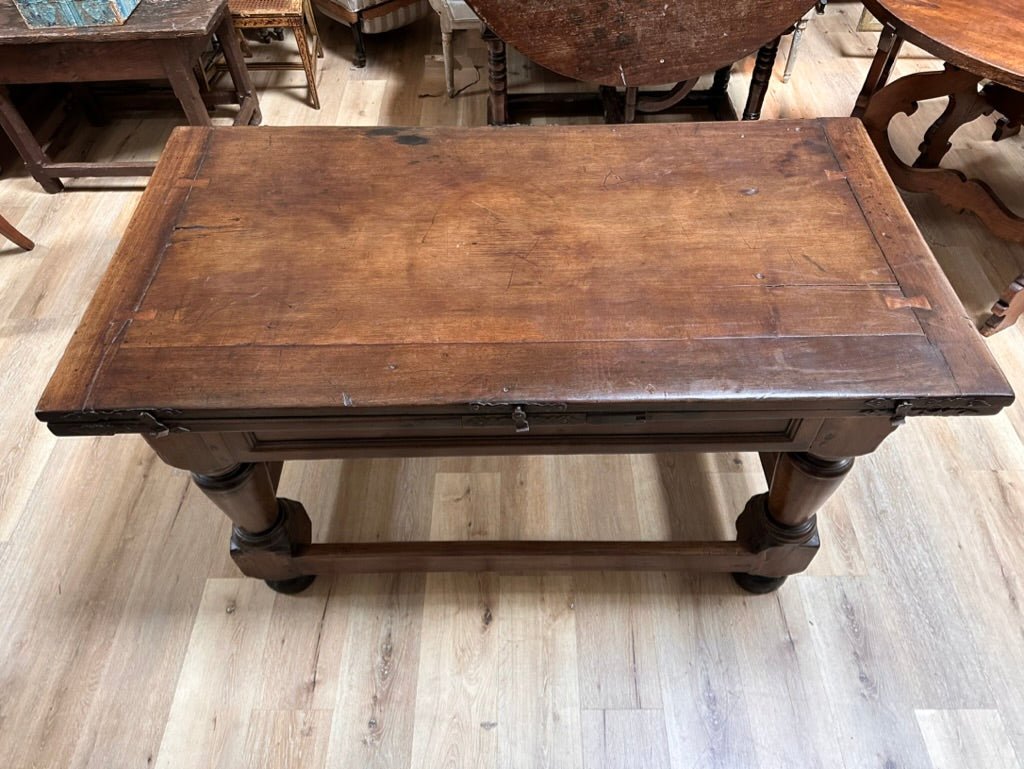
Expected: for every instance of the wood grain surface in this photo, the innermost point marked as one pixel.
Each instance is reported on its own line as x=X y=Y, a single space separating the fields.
x=982 y=36
x=672 y=272
x=637 y=42
x=901 y=644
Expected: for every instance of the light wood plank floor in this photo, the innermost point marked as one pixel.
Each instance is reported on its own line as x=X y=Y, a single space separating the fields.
x=129 y=640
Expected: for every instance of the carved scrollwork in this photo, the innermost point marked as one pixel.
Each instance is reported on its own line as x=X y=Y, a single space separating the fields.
x=926 y=407
x=949 y=186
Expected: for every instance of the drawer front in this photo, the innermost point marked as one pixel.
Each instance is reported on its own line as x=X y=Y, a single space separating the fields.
x=525 y=433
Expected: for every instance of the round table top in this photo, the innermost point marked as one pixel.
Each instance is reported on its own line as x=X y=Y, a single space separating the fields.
x=985 y=37
x=638 y=42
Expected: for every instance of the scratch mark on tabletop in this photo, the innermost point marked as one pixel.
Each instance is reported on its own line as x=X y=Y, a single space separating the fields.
x=485 y=208
x=431 y=226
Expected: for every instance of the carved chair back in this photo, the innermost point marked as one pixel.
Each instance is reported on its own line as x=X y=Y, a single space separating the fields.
x=638 y=42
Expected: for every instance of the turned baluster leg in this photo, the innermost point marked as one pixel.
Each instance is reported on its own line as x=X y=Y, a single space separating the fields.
x=794 y=48
x=266 y=529
x=359 y=43
x=889 y=45
x=760 y=79
x=497 y=78
x=783 y=520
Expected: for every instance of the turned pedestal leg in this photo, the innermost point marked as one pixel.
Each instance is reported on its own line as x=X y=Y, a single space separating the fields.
x=760 y=79
x=497 y=79
x=266 y=529
x=782 y=523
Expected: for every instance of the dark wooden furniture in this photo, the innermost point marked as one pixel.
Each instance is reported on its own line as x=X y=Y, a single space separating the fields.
x=636 y=288
x=632 y=45
x=980 y=41
x=160 y=40
x=294 y=15
x=12 y=233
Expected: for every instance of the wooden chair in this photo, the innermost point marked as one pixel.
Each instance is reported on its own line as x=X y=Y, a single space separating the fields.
x=295 y=15
x=10 y=232
x=636 y=44
x=454 y=14
x=798 y=34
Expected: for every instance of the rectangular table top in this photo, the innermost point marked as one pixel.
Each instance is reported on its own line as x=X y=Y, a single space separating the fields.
x=153 y=19
x=334 y=271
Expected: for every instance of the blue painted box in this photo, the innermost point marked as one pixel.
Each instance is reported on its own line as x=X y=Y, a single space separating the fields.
x=75 y=13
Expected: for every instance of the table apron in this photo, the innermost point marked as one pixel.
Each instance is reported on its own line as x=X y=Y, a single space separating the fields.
x=90 y=62
x=769 y=434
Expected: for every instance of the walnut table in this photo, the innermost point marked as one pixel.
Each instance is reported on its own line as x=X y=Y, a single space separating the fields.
x=982 y=43
x=162 y=39
x=520 y=290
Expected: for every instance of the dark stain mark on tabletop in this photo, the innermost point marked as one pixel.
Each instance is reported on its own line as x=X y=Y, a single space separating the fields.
x=412 y=140
x=384 y=131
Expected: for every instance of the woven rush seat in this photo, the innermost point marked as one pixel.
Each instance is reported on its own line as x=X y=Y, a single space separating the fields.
x=255 y=8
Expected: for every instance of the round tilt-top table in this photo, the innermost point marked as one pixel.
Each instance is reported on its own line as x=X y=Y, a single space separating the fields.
x=982 y=44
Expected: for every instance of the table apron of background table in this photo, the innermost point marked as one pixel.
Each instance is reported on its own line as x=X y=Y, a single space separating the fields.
x=237 y=463
x=158 y=59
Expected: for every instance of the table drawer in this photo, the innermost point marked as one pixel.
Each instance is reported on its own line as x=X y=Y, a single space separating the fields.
x=529 y=433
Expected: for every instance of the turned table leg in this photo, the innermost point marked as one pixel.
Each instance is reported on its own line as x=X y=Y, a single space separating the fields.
x=760 y=79
x=783 y=520
x=266 y=529
x=497 y=78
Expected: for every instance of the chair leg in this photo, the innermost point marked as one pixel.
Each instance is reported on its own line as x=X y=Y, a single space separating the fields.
x=10 y=232
x=308 y=62
x=760 y=79
x=794 y=48
x=449 y=62
x=357 y=37
x=314 y=33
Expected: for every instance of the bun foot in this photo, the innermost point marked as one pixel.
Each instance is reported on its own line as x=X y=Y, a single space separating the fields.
x=755 y=583
x=291 y=586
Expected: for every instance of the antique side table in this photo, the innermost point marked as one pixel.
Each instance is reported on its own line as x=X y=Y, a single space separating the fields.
x=638 y=288
x=982 y=43
x=162 y=39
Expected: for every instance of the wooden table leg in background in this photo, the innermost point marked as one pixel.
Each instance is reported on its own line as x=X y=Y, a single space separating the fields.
x=889 y=45
x=497 y=78
x=949 y=186
x=248 y=103
x=11 y=232
x=760 y=79
x=25 y=142
x=178 y=69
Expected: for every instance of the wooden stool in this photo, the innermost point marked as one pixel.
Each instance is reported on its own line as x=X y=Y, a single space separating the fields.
x=295 y=15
